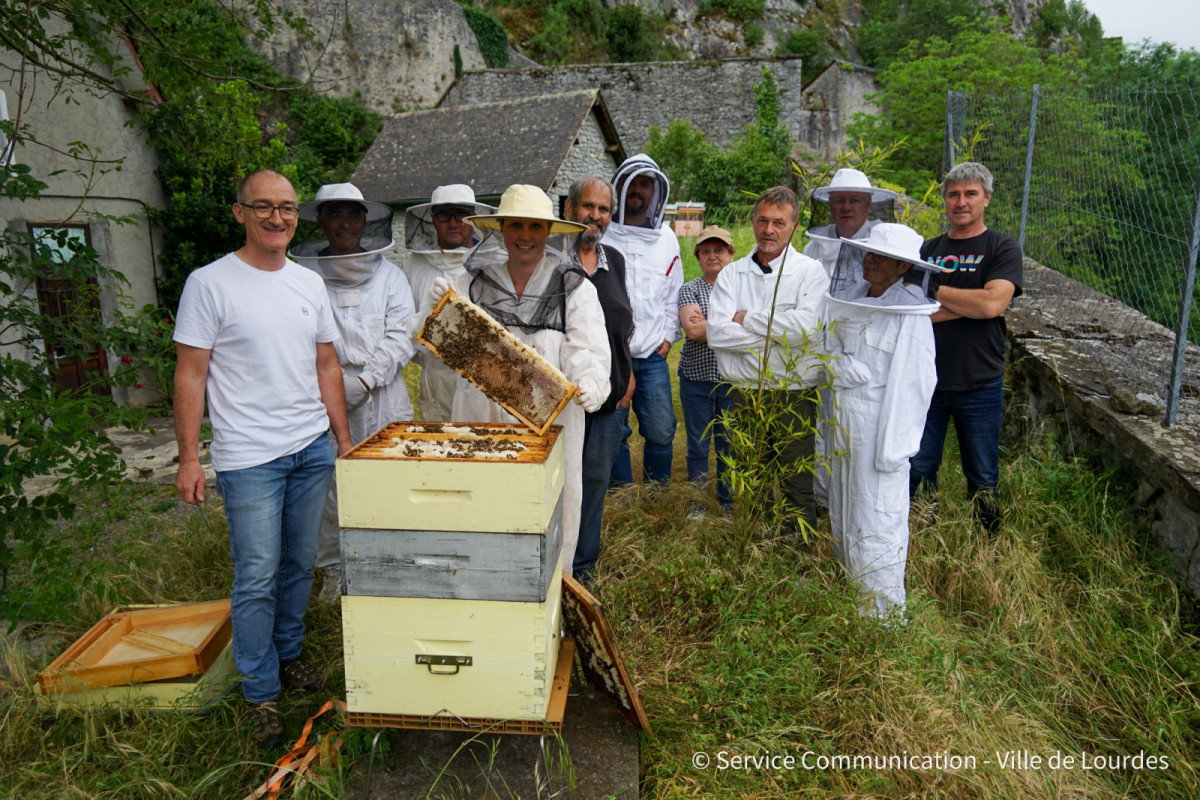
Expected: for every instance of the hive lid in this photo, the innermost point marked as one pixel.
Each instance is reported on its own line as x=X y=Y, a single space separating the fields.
x=508 y=371
x=140 y=644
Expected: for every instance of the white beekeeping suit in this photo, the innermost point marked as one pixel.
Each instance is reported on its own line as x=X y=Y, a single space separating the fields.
x=372 y=304
x=580 y=351
x=883 y=377
x=427 y=261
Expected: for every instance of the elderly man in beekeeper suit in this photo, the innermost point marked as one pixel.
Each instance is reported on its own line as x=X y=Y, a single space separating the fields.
x=522 y=276
x=855 y=206
x=437 y=237
x=877 y=328
x=344 y=243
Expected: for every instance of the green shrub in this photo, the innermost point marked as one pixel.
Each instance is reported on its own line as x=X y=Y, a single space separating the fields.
x=490 y=33
x=754 y=35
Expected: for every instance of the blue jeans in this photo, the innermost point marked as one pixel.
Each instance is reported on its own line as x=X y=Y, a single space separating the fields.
x=602 y=434
x=274 y=513
x=977 y=415
x=656 y=422
x=703 y=404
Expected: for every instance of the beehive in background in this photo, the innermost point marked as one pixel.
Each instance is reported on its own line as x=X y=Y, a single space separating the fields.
x=506 y=369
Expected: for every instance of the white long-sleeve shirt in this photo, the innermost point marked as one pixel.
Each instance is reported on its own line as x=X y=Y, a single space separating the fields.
x=653 y=276
x=742 y=286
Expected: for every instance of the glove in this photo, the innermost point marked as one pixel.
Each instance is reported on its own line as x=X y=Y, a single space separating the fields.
x=439 y=288
x=356 y=391
x=589 y=395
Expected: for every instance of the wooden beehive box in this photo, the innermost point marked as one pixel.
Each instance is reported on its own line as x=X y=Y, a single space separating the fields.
x=463 y=565
x=496 y=478
x=470 y=658
x=141 y=644
x=187 y=693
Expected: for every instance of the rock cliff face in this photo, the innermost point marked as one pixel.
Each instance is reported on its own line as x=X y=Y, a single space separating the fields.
x=399 y=55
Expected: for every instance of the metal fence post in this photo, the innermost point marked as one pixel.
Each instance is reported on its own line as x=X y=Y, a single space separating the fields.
x=1185 y=310
x=1028 y=165
x=948 y=140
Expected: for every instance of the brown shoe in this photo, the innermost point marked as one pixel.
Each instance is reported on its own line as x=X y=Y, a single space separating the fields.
x=297 y=674
x=268 y=725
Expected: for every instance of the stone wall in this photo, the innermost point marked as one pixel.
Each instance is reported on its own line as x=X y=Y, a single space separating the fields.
x=831 y=100
x=587 y=157
x=717 y=96
x=1064 y=375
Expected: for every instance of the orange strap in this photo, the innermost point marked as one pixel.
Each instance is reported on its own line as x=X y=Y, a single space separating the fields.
x=323 y=751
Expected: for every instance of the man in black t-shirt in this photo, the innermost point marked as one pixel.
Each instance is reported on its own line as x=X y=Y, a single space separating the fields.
x=981 y=274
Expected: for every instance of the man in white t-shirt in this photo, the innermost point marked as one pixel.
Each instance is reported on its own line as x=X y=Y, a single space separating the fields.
x=256 y=332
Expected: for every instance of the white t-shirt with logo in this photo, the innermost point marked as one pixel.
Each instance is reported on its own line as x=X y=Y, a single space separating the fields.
x=262 y=328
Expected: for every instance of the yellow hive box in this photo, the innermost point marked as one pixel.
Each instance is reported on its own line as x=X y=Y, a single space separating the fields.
x=495 y=478
x=470 y=658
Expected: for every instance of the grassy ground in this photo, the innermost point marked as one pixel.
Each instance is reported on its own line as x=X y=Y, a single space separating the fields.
x=1060 y=635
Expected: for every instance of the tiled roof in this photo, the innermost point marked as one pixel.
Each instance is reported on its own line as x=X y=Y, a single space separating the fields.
x=489 y=146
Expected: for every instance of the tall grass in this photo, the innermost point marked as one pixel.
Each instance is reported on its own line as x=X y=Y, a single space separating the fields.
x=1059 y=635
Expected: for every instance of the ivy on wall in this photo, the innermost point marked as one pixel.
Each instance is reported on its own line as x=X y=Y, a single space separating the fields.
x=492 y=38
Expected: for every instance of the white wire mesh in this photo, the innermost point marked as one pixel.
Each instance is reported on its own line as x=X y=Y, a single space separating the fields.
x=1111 y=199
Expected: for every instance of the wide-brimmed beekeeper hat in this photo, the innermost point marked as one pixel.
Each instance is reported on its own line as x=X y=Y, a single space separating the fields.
x=343 y=193
x=522 y=201
x=894 y=241
x=852 y=180
x=455 y=195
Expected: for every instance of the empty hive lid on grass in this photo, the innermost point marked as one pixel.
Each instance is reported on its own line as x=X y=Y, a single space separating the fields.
x=506 y=369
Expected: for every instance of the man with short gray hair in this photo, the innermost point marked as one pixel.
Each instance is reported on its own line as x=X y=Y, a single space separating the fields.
x=981 y=272
x=743 y=306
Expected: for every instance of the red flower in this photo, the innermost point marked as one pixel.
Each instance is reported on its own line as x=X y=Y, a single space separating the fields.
x=167 y=320
x=139 y=386
x=127 y=359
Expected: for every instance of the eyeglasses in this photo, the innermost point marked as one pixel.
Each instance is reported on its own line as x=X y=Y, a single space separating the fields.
x=264 y=211
x=446 y=216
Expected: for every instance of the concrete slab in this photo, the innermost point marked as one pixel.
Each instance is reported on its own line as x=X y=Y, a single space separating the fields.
x=596 y=757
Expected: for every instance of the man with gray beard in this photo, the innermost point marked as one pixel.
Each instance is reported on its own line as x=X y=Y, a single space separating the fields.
x=589 y=202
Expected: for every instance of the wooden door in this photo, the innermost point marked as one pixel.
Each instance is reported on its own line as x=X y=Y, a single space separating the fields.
x=56 y=298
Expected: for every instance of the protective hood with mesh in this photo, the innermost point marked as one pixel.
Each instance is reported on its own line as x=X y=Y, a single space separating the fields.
x=545 y=310
x=633 y=166
x=821 y=220
x=909 y=295
x=310 y=248
x=420 y=235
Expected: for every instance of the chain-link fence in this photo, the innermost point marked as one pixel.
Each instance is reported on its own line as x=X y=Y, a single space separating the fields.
x=1105 y=188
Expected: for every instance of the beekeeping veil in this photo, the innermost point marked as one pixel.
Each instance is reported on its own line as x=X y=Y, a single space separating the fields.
x=631 y=168
x=419 y=233
x=823 y=233
x=909 y=295
x=311 y=246
x=543 y=305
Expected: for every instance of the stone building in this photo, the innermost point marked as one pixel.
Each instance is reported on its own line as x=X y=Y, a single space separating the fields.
x=717 y=96
x=87 y=206
x=831 y=100
x=548 y=141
